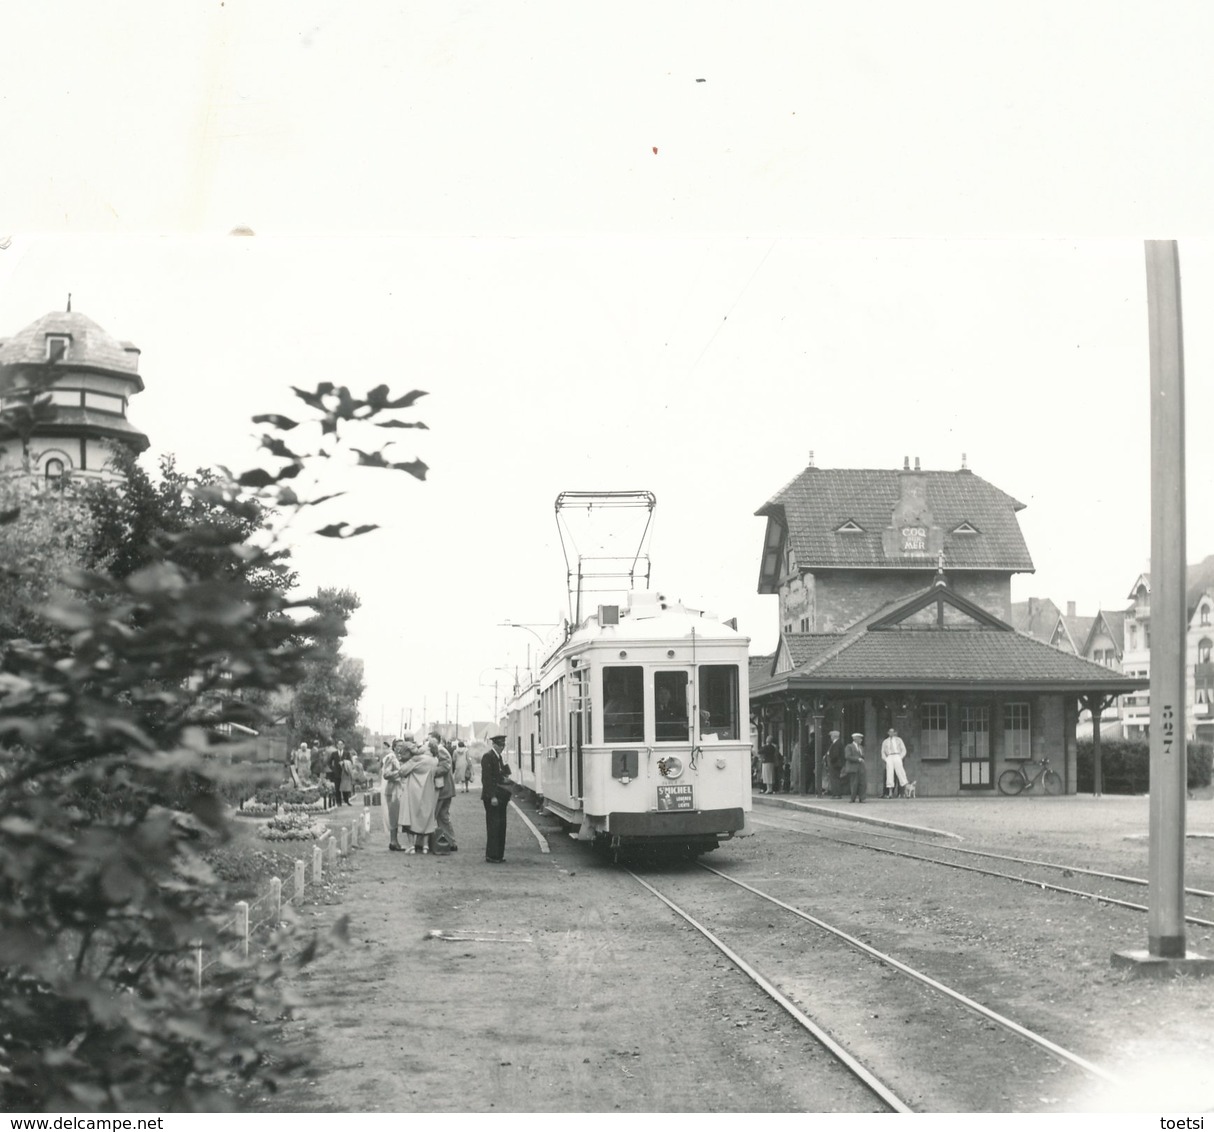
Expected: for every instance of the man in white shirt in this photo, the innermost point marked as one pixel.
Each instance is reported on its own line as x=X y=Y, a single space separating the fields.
x=893 y=751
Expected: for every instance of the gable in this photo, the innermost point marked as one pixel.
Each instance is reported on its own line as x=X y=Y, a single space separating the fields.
x=938 y=608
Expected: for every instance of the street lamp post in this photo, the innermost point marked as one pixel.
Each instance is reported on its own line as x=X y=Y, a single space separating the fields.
x=519 y=625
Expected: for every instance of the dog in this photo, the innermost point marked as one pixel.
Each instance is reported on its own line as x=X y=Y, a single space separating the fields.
x=908 y=791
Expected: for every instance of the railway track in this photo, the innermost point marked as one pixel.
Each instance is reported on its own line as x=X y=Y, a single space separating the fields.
x=798 y=825
x=903 y=1075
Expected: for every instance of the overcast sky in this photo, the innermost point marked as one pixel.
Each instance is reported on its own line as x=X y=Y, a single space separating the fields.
x=891 y=230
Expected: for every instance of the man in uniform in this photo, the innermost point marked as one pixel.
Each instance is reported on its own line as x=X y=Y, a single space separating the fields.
x=495 y=794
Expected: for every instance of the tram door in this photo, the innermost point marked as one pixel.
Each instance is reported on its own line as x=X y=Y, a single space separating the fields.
x=579 y=729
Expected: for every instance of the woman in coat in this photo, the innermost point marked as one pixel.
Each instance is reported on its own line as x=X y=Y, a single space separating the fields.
x=391 y=791
x=420 y=799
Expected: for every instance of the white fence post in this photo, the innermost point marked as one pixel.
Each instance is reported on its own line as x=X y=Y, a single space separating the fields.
x=301 y=883
x=242 y=925
x=345 y=842
x=198 y=967
x=276 y=897
x=354 y=832
x=331 y=851
x=316 y=866
x=367 y=820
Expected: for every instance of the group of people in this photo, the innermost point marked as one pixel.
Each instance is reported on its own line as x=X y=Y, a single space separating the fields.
x=334 y=768
x=418 y=782
x=848 y=762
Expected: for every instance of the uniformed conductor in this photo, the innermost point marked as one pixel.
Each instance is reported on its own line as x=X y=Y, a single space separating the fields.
x=495 y=793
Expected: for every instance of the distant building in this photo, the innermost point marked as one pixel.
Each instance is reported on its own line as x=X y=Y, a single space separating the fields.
x=97 y=376
x=1199 y=641
x=894 y=592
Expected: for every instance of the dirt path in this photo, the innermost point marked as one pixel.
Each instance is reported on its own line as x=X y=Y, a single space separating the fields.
x=568 y=993
x=569 y=989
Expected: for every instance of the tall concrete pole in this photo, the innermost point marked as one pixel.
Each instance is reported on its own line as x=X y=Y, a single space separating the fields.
x=1165 y=870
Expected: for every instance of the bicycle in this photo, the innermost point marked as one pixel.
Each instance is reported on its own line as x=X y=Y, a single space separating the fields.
x=1015 y=780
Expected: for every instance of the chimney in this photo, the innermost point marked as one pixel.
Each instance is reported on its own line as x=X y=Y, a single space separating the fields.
x=916 y=463
x=811 y=458
x=1070 y=609
x=906 y=463
x=964 y=465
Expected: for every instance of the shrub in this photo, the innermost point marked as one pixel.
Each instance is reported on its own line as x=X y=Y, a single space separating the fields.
x=1125 y=766
x=111 y=792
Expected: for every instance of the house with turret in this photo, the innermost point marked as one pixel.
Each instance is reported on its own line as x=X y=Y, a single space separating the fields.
x=92 y=377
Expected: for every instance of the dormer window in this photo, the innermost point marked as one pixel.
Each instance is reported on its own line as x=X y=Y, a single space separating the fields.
x=966 y=528
x=851 y=527
x=57 y=347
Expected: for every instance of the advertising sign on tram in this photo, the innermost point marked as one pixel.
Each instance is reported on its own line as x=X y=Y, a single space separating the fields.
x=676 y=798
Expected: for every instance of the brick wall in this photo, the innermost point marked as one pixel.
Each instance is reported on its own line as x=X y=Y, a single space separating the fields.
x=842 y=597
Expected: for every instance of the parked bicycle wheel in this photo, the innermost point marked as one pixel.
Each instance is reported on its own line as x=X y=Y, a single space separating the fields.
x=1052 y=781
x=1011 y=782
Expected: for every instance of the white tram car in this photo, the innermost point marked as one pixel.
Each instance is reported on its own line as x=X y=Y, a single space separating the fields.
x=636 y=732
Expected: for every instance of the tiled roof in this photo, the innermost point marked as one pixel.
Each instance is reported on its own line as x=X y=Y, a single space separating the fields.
x=1114 y=620
x=819 y=500
x=1199 y=579
x=1037 y=617
x=1078 y=628
x=72 y=421
x=804 y=647
x=91 y=345
x=760 y=668
x=962 y=655
x=981 y=654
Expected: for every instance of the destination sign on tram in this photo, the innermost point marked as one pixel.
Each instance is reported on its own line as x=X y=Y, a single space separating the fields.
x=676 y=798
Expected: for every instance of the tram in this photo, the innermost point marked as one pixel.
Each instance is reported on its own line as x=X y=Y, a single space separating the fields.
x=635 y=732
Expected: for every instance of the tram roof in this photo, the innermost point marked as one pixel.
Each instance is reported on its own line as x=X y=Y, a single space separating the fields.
x=649 y=616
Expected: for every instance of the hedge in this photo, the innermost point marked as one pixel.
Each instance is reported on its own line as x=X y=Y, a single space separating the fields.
x=1125 y=766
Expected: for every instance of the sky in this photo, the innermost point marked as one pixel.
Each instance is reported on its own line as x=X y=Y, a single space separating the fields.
x=619 y=249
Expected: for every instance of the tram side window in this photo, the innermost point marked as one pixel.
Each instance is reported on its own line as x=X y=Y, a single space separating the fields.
x=670 y=706
x=623 y=704
x=719 y=700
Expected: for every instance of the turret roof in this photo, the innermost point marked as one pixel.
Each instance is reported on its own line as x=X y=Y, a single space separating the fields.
x=91 y=345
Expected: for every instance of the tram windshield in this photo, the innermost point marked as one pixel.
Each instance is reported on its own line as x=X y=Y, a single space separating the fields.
x=670 y=707
x=623 y=704
x=719 y=700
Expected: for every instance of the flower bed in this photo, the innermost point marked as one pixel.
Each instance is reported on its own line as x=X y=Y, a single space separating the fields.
x=292 y=827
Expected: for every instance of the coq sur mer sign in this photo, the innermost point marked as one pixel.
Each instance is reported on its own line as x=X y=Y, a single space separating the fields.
x=914 y=539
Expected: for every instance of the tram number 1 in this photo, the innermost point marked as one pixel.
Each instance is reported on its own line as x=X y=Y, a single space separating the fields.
x=675 y=798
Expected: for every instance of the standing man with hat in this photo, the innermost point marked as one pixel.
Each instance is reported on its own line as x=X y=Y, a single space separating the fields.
x=853 y=753
x=834 y=764
x=495 y=794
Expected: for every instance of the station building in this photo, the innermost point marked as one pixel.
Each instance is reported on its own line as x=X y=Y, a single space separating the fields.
x=894 y=600
x=95 y=377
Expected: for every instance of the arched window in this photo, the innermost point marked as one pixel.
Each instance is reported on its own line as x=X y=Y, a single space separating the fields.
x=54 y=469
x=1205 y=614
x=1203 y=650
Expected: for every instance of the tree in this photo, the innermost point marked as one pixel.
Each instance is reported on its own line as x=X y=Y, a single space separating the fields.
x=136 y=523
x=49 y=533
x=324 y=705
x=103 y=892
